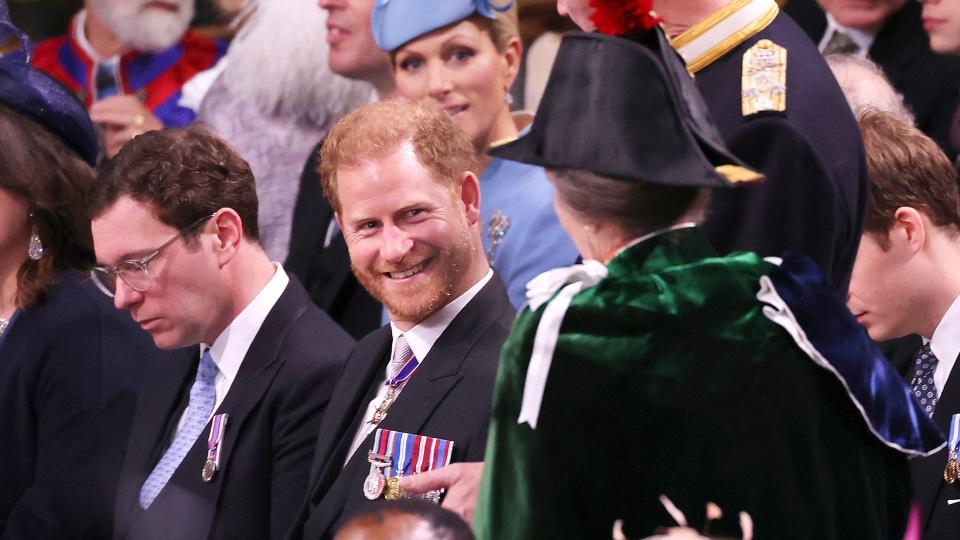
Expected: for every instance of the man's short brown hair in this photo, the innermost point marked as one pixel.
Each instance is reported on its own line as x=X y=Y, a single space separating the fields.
x=183 y=174
x=906 y=169
x=379 y=129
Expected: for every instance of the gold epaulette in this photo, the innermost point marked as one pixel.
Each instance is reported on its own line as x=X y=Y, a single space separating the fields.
x=764 y=84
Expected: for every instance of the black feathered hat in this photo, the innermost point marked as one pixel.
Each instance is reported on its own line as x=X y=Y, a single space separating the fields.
x=626 y=109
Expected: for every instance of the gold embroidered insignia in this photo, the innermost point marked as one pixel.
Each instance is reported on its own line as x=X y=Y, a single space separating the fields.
x=764 y=85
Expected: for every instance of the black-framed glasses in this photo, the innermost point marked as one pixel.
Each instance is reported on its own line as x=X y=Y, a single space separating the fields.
x=135 y=273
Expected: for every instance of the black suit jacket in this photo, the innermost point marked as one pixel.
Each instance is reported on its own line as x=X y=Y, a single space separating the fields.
x=930 y=83
x=69 y=372
x=325 y=269
x=939 y=518
x=449 y=397
x=814 y=197
x=275 y=406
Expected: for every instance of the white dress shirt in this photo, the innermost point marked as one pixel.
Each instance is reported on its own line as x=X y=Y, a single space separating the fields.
x=862 y=37
x=945 y=344
x=231 y=346
x=420 y=338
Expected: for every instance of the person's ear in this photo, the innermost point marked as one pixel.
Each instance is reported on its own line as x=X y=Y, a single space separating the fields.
x=512 y=55
x=228 y=234
x=909 y=229
x=470 y=196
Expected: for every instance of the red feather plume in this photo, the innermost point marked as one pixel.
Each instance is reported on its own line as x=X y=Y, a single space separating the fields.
x=623 y=17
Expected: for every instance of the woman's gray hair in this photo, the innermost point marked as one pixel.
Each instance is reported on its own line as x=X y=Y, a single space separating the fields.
x=635 y=207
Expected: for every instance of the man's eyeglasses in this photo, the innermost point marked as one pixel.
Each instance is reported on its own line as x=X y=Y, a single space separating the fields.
x=135 y=273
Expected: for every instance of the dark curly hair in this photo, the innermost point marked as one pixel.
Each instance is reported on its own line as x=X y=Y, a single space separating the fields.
x=40 y=168
x=183 y=174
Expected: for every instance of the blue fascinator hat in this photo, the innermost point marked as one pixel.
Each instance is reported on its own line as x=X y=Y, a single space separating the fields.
x=396 y=22
x=42 y=98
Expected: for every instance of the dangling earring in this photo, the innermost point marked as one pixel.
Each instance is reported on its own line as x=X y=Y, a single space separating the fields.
x=508 y=98
x=35 y=249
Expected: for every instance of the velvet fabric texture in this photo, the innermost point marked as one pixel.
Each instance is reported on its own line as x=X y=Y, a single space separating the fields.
x=668 y=379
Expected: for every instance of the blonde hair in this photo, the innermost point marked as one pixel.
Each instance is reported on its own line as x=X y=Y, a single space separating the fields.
x=379 y=129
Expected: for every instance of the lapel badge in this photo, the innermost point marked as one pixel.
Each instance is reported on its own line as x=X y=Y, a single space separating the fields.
x=952 y=470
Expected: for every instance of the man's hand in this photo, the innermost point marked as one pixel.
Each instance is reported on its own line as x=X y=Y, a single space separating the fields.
x=122 y=118
x=460 y=480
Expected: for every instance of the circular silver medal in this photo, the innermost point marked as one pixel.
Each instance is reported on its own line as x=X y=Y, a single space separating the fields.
x=373 y=485
x=209 y=470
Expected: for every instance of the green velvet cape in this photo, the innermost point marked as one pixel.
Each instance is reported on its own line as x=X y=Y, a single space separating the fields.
x=667 y=379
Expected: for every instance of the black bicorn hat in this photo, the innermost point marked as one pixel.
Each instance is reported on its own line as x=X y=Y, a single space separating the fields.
x=42 y=98
x=626 y=109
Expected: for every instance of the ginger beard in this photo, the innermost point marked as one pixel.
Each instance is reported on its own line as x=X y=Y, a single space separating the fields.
x=417 y=300
x=146 y=25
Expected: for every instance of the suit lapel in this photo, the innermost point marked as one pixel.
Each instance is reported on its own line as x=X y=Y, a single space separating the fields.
x=347 y=406
x=440 y=370
x=149 y=435
x=254 y=377
x=928 y=472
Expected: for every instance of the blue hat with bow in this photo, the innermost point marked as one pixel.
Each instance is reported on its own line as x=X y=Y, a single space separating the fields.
x=42 y=98
x=396 y=22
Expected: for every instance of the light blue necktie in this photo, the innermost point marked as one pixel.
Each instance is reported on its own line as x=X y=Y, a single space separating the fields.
x=202 y=397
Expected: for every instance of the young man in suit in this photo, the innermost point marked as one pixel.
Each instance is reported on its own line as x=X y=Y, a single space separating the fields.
x=223 y=436
x=789 y=121
x=905 y=281
x=891 y=33
x=399 y=176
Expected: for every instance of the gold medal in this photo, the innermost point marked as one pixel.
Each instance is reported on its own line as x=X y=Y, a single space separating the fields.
x=209 y=470
x=952 y=470
x=392 y=491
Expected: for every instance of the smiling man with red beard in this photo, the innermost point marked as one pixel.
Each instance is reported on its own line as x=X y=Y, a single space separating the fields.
x=399 y=175
x=128 y=60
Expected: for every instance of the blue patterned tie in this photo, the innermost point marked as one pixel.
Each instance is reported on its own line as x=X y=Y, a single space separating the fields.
x=923 y=387
x=202 y=397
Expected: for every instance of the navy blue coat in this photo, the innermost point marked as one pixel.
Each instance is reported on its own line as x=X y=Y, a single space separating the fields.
x=814 y=198
x=69 y=372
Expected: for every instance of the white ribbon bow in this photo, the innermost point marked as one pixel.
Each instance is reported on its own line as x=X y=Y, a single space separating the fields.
x=569 y=281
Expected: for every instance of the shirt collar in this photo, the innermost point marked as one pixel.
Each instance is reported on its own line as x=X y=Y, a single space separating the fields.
x=79 y=21
x=422 y=336
x=946 y=338
x=862 y=37
x=231 y=346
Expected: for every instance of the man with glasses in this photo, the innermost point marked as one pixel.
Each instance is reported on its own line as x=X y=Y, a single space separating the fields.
x=223 y=436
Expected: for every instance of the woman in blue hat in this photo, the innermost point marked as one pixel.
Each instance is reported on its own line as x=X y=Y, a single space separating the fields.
x=68 y=359
x=465 y=55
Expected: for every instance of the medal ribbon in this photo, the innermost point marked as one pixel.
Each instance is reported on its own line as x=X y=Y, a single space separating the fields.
x=405 y=372
x=409 y=451
x=215 y=439
x=954 y=444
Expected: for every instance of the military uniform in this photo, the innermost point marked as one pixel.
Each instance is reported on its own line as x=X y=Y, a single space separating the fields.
x=779 y=108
